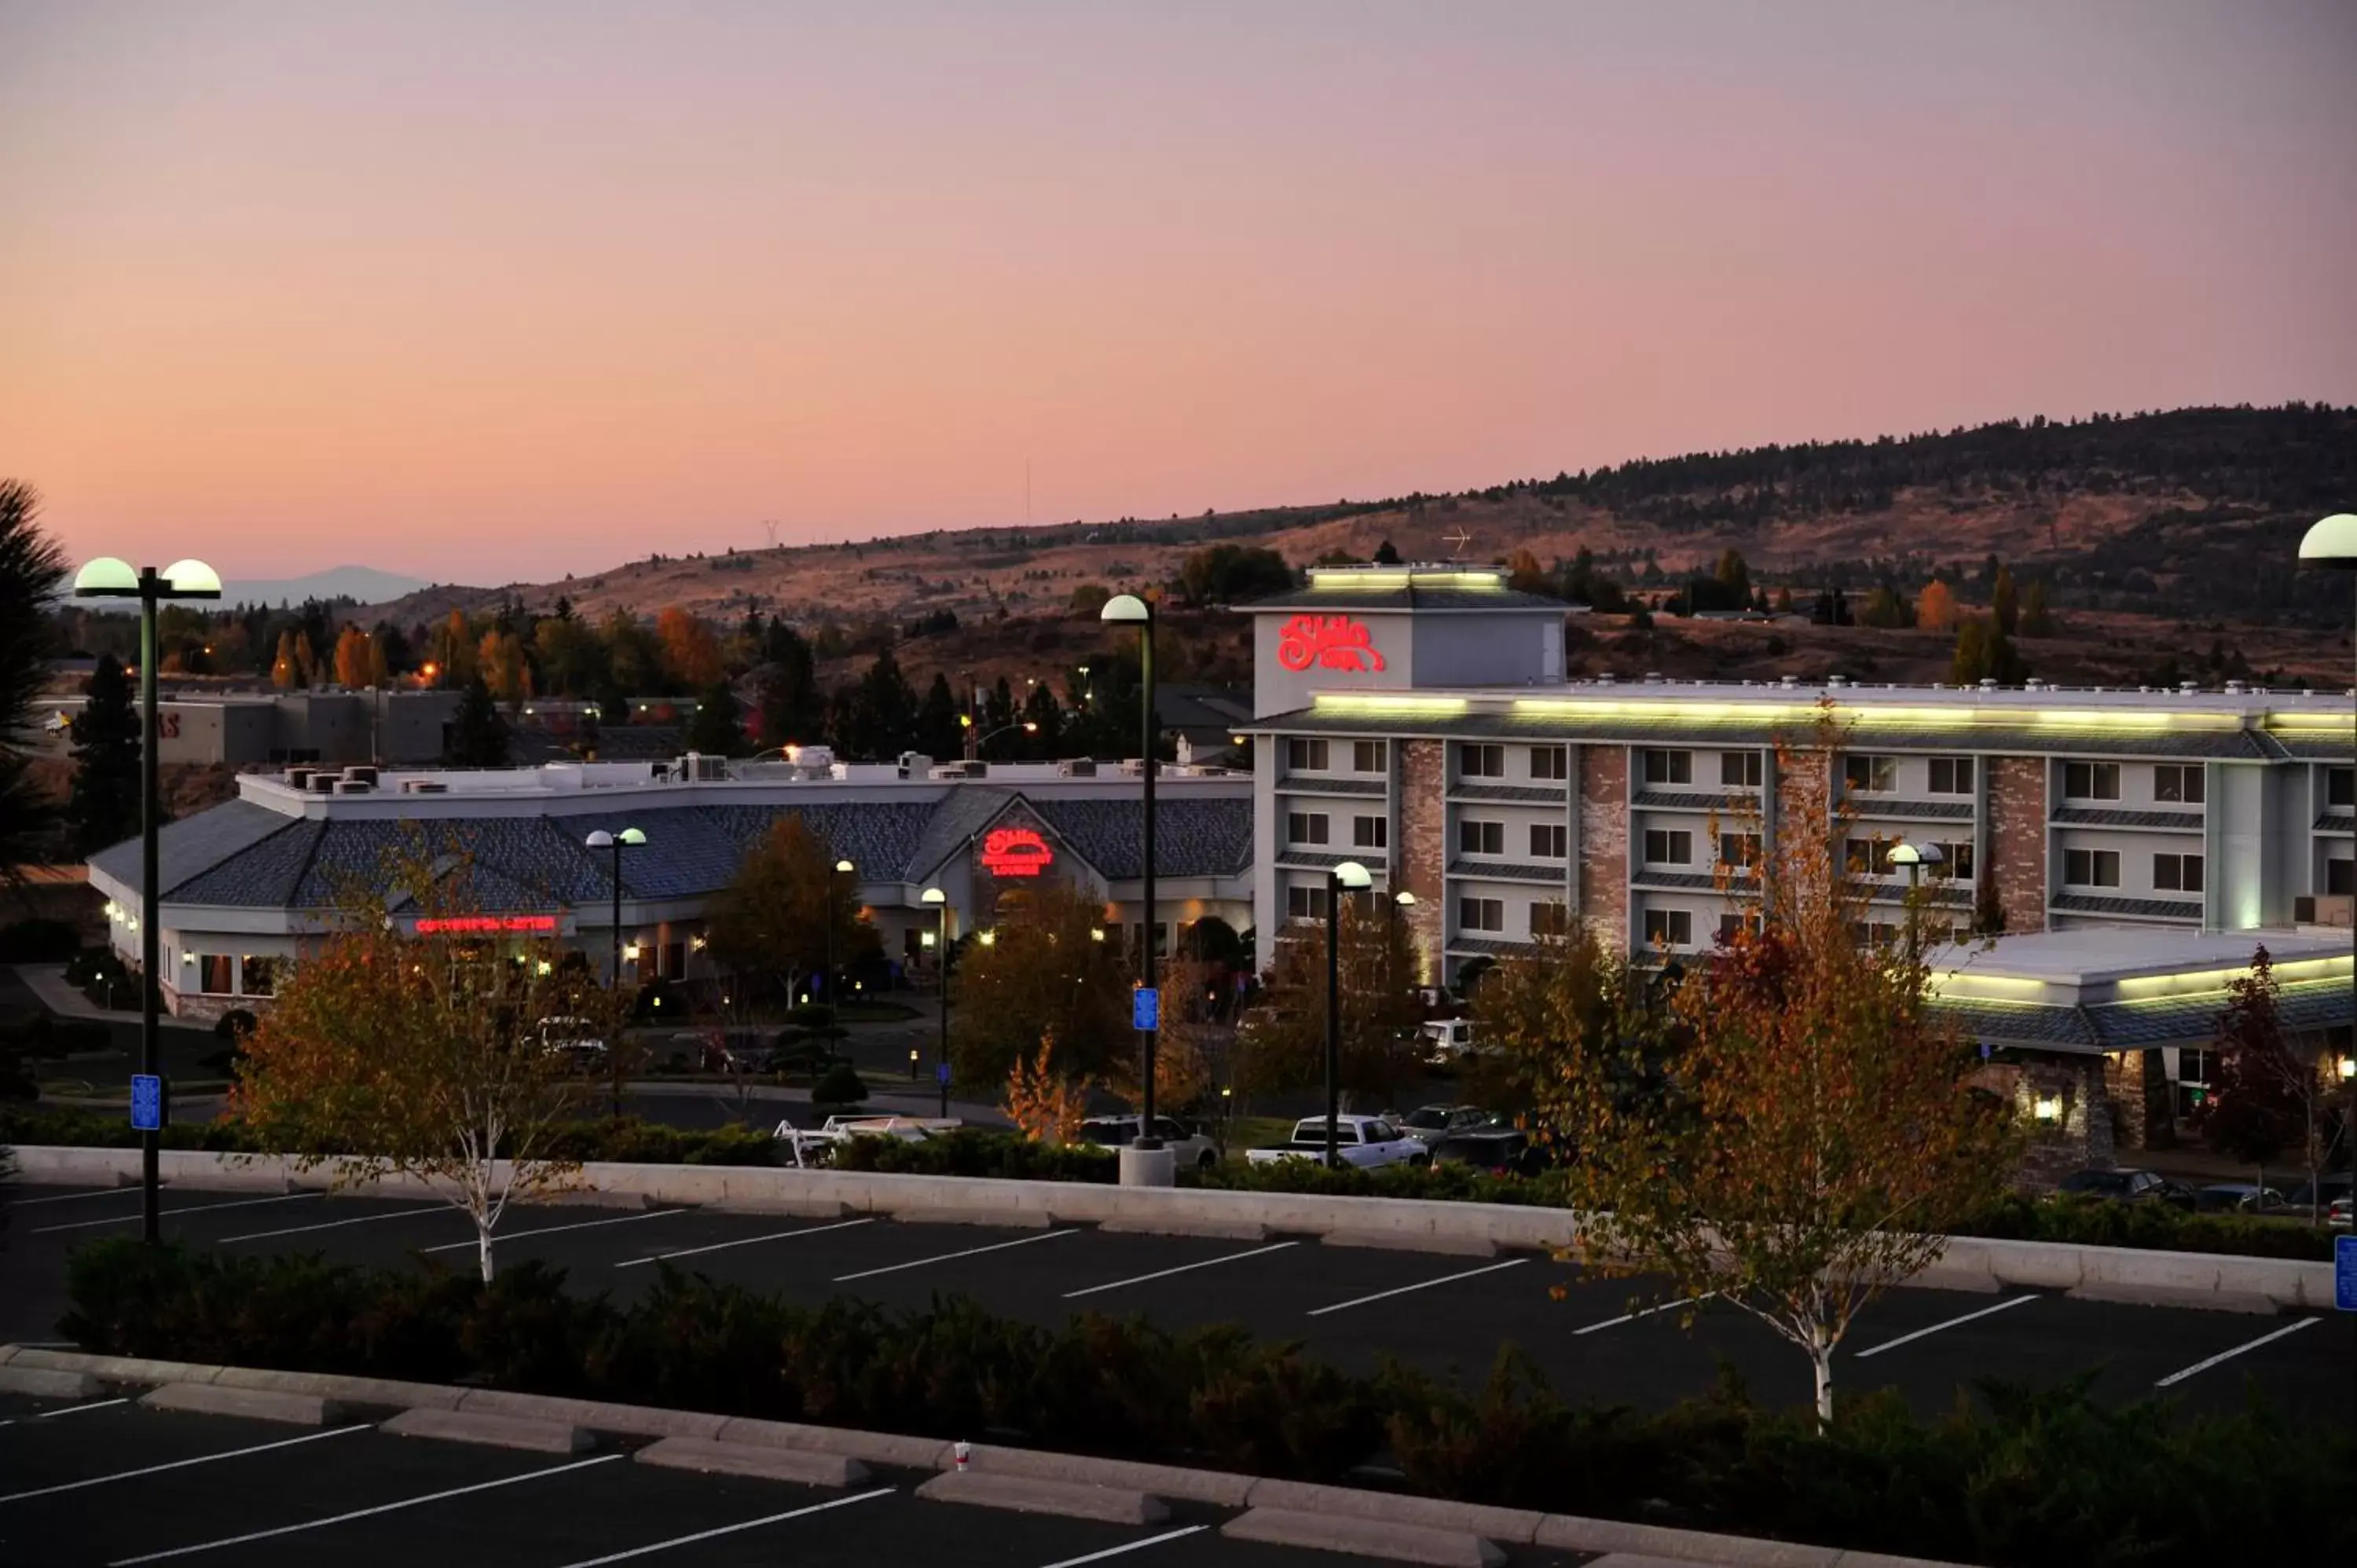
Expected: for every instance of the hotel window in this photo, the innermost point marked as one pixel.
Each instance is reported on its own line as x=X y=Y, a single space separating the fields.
x=1305 y=901
x=2176 y=872
x=1481 y=914
x=1480 y=761
x=2180 y=784
x=1669 y=768
x=1305 y=755
x=1480 y=838
x=217 y=974
x=1876 y=933
x=1669 y=927
x=1550 y=762
x=1870 y=775
x=2338 y=881
x=1951 y=776
x=259 y=975
x=1731 y=925
x=1669 y=846
x=2091 y=867
x=1551 y=917
x=1550 y=840
x=2090 y=781
x=1739 y=769
x=2194 y=1069
x=1868 y=856
x=1738 y=850
x=1366 y=756
x=1305 y=827
x=1956 y=859
x=2341 y=786
x=1369 y=833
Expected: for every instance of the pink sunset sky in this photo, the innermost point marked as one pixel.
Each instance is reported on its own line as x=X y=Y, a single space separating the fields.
x=488 y=290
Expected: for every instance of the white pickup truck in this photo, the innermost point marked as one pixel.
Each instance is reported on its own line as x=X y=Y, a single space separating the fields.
x=1364 y=1141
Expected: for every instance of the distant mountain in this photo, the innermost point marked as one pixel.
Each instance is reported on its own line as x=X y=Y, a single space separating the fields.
x=364 y=583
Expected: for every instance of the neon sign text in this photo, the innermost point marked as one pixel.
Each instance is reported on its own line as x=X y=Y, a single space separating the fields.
x=1016 y=851
x=1330 y=642
x=473 y=924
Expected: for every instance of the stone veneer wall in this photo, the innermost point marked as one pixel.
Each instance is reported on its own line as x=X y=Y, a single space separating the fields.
x=1604 y=841
x=1422 y=827
x=2016 y=839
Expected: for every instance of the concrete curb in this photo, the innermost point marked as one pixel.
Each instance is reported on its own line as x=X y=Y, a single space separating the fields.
x=494 y=1416
x=43 y=1383
x=252 y=1404
x=1207 y=1229
x=1968 y=1263
x=1470 y=1246
x=1022 y=1494
x=2252 y=1302
x=800 y=1468
x=492 y=1430
x=1365 y=1538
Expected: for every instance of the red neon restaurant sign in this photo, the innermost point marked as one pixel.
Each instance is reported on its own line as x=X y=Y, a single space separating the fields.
x=1016 y=851
x=485 y=925
x=1330 y=642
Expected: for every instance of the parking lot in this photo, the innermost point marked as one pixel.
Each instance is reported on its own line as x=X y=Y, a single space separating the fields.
x=109 y=1482
x=1353 y=1306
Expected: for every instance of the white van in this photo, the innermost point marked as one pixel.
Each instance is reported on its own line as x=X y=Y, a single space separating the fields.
x=1446 y=1039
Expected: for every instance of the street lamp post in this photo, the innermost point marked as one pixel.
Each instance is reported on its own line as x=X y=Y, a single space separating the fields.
x=629 y=838
x=1348 y=877
x=2330 y=544
x=842 y=868
x=1128 y=609
x=107 y=578
x=940 y=903
x=1915 y=857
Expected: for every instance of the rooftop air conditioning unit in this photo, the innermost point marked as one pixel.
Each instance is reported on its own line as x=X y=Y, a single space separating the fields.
x=323 y=783
x=353 y=786
x=1133 y=767
x=360 y=773
x=299 y=778
x=424 y=787
x=915 y=764
x=696 y=768
x=1077 y=767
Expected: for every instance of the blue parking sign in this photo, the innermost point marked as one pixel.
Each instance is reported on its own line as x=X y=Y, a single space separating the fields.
x=146 y=1102
x=942 y=1072
x=2344 y=1272
x=1146 y=1009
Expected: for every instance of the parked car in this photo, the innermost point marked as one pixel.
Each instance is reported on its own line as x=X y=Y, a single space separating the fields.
x=1364 y=1141
x=2238 y=1197
x=1501 y=1151
x=577 y=1040
x=2327 y=1190
x=2124 y=1184
x=2340 y=1211
x=1431 y=1121
x=1446 y=1039
x=1188 y=1150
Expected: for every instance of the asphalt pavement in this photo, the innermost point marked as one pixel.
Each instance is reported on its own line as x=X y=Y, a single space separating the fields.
x=1610 y=1340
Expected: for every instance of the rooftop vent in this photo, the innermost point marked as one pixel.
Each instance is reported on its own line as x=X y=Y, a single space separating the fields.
x=2189 y=685
x=1988 y=683
x=424 y=787
x=2234 y=687
x=353 y=786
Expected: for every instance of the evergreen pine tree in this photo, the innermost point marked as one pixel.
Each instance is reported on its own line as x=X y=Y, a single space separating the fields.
x=937 y=721
x=477 y=736
x=2037 y=615
x=716 y=728
x=104 y=805
x=2003 y=602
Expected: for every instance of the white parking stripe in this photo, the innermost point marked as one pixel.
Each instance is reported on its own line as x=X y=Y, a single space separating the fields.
x=2228 y=1355
x=948 y=1257
x=1166 y=1274
x=362 y=1514
x=1909 y=1338
x=1427 y=1284
x=1132 y=1546
x=553 y=1230
x=168 y=1213
x=731 y=1529
x=175 y=1464
x=332 y=1224
x=70 y=1197
x=740 y=1241
x=78 y=1408
x=1642 y=1312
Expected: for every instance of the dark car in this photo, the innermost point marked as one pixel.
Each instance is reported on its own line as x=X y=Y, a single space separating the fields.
x=1501 y=1151
x=2327 y=1190
x=2125 y=1185
x=2238 y=1197
x=1430 y=1122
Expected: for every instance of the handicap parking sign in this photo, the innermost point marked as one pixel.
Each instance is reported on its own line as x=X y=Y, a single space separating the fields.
x=146 y=1102
x=940 y=1072
x=1146 y=1009
x=2344 y=1272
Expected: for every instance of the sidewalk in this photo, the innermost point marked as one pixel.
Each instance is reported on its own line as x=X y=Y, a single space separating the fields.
x=46 y=982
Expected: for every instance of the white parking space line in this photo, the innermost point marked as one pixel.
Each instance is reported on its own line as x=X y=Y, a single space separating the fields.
x=2175 y=1378
x=1936 y=1328
x=731 y=1529
x=1427 y=1284
x=360 y=1513
x=1183 y=1268
x=78 y=1408
x=949 y=1257
x=333 y=1224
x=192 y=1209
x=1132 y=1546
x=1642 y=1312
x=70 y=1197
x=740 y=1241
x=177 y=1464
x=553 y=1230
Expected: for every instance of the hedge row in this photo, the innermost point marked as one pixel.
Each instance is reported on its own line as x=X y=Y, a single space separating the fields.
x=2017 y=1478
x=628 y=1139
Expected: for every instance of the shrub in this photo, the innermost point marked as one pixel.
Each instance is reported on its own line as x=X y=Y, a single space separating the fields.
x=839 y=1085
x=234 y=1025
x=2037 y=1479
x=38 y=942
x=974 y=1152
x=94 y=964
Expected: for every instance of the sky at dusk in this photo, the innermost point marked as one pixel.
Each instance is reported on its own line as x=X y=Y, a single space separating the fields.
x=492 y=290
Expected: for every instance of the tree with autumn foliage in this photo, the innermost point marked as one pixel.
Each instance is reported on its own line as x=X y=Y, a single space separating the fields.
x=351 y=658
x=417 y=1052
x=691 y=649
x=1281 y=1045
x=1797 y=1130
x=2265 y=1100
x=1044 y=970
x=770 y=924
x=1043 y=1102
x=1935 y=608
x=1184 y=1045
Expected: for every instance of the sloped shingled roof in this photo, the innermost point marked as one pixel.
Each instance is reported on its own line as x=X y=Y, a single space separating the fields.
x=242 y=855
x=2305 y=1006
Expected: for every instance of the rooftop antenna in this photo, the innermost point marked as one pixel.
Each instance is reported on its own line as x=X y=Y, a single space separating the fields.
x=772 y=528
x=1461 y=539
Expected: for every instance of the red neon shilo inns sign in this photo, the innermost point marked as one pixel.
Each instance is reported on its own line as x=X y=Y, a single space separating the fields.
x=1330 y=642
x=485 y=925
x=1016 y=851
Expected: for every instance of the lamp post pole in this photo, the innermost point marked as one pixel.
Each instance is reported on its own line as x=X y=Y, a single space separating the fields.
x=1132 y=609
x=941 y=1069
x=1348 y=877
x=840 y=868
x=107 y=578
x=2330 y=543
